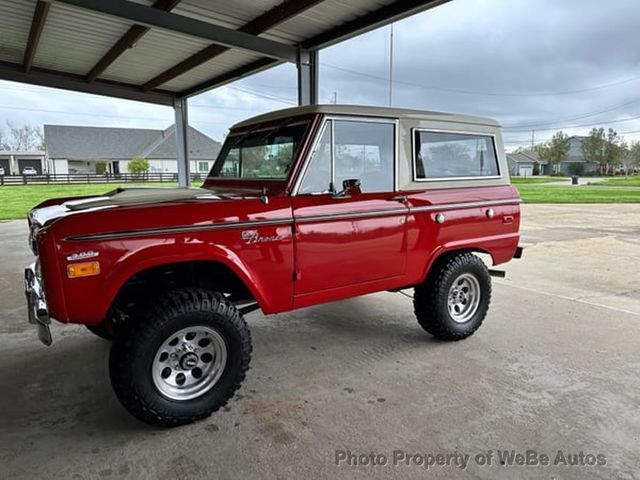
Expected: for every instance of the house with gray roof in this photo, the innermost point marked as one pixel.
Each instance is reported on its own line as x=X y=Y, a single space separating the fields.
x=524 y=164
x=73 y=149
x=528 y=163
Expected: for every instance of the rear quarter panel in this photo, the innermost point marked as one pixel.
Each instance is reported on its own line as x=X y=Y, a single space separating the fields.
x=464 y=227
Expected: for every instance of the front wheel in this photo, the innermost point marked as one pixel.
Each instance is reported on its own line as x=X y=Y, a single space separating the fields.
x=101 y=331
x=182 y=360
x=453 y=301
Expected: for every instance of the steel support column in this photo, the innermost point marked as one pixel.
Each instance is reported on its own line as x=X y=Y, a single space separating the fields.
x=307 y=77
x=182 y=148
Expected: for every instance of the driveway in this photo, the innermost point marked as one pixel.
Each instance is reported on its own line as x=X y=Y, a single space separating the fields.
x=553 y=369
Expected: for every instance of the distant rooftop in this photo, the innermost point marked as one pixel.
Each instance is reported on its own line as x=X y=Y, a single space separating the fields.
x=108 y=143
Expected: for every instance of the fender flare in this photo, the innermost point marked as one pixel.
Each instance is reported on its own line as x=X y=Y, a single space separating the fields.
x=139 y=260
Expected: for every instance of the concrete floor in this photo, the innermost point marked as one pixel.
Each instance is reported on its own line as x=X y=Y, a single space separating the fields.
x=555 y=367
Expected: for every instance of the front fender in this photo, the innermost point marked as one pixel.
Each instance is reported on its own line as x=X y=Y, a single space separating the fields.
x=90 y=298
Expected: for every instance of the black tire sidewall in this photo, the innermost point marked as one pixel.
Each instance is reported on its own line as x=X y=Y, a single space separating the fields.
x=136 y=352
x=479 y=272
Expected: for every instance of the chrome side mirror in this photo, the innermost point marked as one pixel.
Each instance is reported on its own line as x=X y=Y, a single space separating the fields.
x=349 y=187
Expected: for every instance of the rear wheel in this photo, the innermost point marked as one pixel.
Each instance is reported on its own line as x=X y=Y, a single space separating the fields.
x=453 y=302
x=182 y=360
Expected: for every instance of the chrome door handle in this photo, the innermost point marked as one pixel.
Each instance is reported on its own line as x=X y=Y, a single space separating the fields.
x=399 y=198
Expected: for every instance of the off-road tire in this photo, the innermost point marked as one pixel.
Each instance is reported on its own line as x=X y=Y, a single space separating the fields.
x=431 y=297
x=132 y=355
x=101 y=331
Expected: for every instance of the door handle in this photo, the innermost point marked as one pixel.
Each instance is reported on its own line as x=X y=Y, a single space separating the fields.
x=399 y=198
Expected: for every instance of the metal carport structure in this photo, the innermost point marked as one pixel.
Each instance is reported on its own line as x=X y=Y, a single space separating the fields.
x=165 y=51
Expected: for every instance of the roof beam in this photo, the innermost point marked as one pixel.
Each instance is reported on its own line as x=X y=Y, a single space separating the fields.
x=271 y=18
x=232 y=76
x=135 y=33
x=14 y=72
x=390 y=13
x=375 y=19
x=152 y=17
x=37 y=24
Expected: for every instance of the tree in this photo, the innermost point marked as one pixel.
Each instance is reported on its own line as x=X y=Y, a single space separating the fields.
x=604 y=149
x=613 y=151
x=4 y=145
x=25 y=138
x=631 y=157
x=555 y=151
x=138 y=165
x=593 y=146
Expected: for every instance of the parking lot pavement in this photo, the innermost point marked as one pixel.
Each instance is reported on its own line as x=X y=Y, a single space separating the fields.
x=554 y=367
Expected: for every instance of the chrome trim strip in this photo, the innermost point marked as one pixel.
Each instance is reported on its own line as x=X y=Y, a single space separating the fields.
x=288 y=221
x=348 y=215
x=180 y=229
x=454 y=206
x=414 y=157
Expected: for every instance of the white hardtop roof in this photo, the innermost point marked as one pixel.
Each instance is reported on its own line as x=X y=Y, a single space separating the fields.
x=367 y=111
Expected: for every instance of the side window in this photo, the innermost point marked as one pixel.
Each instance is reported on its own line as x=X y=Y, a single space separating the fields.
x=352 y=150
x=442 y=155
x=317 y=178
x=365 y=150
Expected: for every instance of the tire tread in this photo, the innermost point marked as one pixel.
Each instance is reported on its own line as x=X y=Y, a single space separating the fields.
x=172 y=304
x=427 y=301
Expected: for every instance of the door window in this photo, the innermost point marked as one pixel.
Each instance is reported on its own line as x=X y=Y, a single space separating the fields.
x=352 y=150
x=318 y=178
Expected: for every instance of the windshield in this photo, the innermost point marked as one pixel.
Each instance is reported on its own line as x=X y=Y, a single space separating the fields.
x=260 y=154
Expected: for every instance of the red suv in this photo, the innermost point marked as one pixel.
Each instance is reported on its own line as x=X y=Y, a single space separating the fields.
x=303 y=206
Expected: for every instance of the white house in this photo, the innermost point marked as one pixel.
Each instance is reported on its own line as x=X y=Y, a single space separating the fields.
x=73 y=149
x=14 y=163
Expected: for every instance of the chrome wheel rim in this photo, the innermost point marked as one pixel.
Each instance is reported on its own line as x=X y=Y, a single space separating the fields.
x=189 y=363
x=464 y=298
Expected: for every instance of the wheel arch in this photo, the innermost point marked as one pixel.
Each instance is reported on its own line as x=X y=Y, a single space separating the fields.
x=445 y=253
x=214 y=273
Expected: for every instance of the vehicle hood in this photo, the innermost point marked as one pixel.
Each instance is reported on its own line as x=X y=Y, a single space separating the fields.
x=140 y=196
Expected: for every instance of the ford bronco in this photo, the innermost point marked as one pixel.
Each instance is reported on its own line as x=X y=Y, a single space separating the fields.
x=303 y=206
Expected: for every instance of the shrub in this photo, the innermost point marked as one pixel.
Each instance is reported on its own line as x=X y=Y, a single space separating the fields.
x=101 y=168
x=138 y=165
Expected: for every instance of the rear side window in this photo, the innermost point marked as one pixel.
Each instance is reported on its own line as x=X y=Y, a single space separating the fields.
x=443 y=155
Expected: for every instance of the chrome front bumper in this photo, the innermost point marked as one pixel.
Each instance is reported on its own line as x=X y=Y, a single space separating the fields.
x=37 y=310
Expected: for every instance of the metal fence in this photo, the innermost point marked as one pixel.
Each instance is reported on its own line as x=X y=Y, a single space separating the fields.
x=83 y=178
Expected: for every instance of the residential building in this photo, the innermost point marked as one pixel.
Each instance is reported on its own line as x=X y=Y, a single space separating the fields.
x=15 y=163
x=73 y=149
x=523 y=164
x=575 y=163
x=528 y=163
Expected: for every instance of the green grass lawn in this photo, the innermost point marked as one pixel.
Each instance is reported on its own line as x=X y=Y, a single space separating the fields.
x=534 y=180
x=584 y=194
x=620 y=182
x=16 y=201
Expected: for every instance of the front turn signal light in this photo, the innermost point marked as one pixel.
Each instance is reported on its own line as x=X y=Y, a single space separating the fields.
x=85 y=269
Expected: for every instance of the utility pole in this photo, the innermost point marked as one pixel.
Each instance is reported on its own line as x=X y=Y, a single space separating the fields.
x=533 y=137
x=391 y=67
x=335 y=97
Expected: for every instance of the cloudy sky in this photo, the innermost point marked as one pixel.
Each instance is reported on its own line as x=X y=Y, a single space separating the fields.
x=533 y=65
